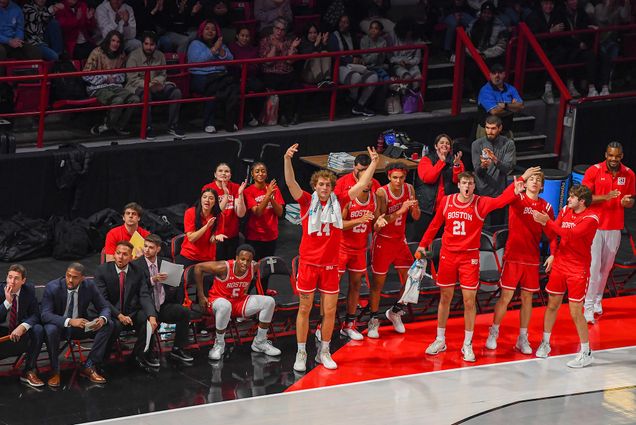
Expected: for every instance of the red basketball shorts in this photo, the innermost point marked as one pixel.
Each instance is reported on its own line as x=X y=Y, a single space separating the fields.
x=323 y=278
x=354 y=261
x=527 y=276
x=387 y=251
x=462 y=267
x=574 y=282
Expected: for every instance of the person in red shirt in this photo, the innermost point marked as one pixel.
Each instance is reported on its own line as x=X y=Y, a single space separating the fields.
x=264 y=207
x=322 y=225
x=462 y=215
x=232 y=205
x=131 y=216
x=228 y=298
x=360 y=163
x=569 y=267
x=395 y=201
x=203 y=228
x=437 y=174
x=521 y=260
x=612 y=186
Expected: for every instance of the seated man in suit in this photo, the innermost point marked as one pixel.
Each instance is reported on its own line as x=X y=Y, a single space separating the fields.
x=168 y=309
x=126 y=292
x=64 y=315
x=20 y=319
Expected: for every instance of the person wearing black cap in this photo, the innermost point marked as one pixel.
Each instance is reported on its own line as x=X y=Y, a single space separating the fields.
x=498 y=98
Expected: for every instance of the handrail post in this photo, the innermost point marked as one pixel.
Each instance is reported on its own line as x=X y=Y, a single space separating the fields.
x=144 y=111
x=242 y=100
x=334 y=93
x=458 y=84
x=44 y=97
x=522 y=54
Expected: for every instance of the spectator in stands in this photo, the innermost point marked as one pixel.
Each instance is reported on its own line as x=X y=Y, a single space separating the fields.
x=20 y=319
x=214 y=80
x=42 y=30
x=377 y=10
x=498 y=98
x=115 y=15
x=127 y=294
x=64 y=316
x=516 y=11
x=233 y=206
x=109 y=88
x=494 y=157
x=77 y=21
x=12 y=45
x=221 y=14
x=317 y=70
x=131 y=216
x=203 y=228
x=148 y=14
x=280 y=75
x=160 y=87
x=544 y=20
x=352 y=71
x=406 y=64
x=608 y=13
x=265 y=205
x=242 y=48
x=165 y=299
x=177 y=20
x=459 y=14
x=438 y=173
x=267 y=12
x=375 y=40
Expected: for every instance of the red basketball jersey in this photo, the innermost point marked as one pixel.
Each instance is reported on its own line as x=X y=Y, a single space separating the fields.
x=357 y=237
x=576 y=233
x=524 y=233
x=232 y=286
x=396 y=229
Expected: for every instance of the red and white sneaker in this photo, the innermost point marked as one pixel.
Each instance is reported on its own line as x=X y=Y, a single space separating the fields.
x=350 y=329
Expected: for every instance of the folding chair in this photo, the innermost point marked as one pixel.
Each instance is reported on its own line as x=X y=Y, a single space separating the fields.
x=625 y=264
x=428 y=288
x=281 y=284
x=175 y=247
x=489 y=276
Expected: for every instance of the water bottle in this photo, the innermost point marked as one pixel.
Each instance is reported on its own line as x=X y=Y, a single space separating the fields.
x=424 y=150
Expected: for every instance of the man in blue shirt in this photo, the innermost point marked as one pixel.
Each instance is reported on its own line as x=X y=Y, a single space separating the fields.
x=498 y=98
x=12 y=43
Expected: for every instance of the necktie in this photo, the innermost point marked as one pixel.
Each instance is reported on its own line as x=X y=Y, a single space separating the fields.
x=70 y=307
x=122 y=279
x=13 y=314
x=160 y=294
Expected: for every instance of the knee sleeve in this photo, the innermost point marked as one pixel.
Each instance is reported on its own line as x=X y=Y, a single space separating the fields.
x=222 y=309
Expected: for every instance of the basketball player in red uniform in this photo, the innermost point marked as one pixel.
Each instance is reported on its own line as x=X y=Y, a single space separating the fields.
x=360 y=216
x=521 y=260
x=395 y=201
x=322 y=224
x=569 y=267
x=228 y=298
x=463 y=217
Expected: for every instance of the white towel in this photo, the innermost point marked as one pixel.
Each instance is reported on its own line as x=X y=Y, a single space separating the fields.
x=318 y=215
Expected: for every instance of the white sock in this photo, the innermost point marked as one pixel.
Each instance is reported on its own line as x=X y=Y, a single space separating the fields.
x=324 y=345
x=585 y=347
x=495 y=327
x=548 y=87
x=546 y=337
x=301 y=346
x=220 y=339
x=261 y=334
x=523 y=331
x=468 y=337
x=441 y=332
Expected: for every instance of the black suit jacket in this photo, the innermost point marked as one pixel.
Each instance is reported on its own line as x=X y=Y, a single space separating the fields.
x=136 y=293
x=56 y=296
x=28 y=308
x=173 y=295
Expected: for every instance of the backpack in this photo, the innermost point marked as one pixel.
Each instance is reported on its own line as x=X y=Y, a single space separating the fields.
x=71 y=239
x=67 y=88
x=22 y=238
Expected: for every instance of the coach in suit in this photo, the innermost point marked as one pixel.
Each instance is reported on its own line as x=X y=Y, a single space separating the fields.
x=126 y=292
x=165 y=299
x=64 y=315
x=20 y=319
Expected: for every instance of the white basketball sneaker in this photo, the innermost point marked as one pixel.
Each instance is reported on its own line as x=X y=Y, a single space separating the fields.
x=216 y=352
x=396 y=320
x=588 y=313
x=544 y=350
x=265 y=346
x=326 y=360
x=350 y=330
x=436 y=347
x=523 y=345
x=581 y=360
x=372 y=328
x=467 y=351
x=598 y=307
x=300 y=365
x=491 y=342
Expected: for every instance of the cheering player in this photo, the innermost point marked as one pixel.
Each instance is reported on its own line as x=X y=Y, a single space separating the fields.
x=228 y=298
x=463 y=217
x=322 y=224
x=570 y=265
x=395 y=201
x=521 y=260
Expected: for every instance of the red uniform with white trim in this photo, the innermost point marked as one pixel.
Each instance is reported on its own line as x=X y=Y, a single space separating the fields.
x=601 y=182
x=571 y=266
x=389 y=243
x=346 y=182
x=319 y=252
x=355 y=241
x=232 y=288
x=521 y=257
x=463 y=222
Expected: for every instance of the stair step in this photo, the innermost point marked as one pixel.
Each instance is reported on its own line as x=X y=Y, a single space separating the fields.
x=439 y=85
x=523 y=124
x=443 y=65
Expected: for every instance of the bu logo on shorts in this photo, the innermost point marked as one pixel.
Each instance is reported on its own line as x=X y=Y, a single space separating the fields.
x=474 y=261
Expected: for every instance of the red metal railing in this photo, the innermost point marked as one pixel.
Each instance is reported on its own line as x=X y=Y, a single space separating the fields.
x=45 y=77
x=463 y=43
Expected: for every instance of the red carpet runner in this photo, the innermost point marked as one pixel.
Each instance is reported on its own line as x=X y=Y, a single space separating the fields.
x=395 y=355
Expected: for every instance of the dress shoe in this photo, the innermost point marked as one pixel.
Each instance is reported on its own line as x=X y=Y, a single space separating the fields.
x=54 y=380
x=92 y=375
x=31 y=378
x=180 y=355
